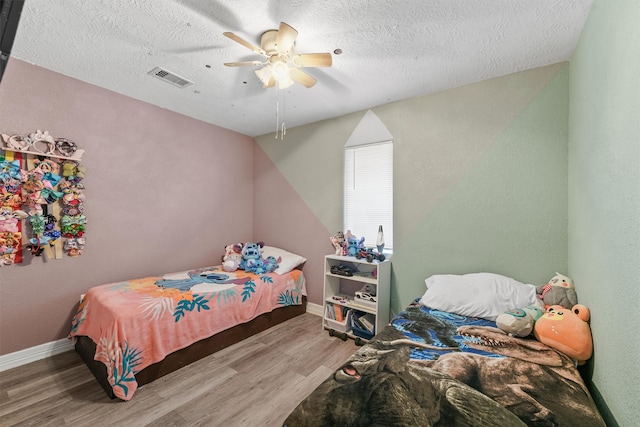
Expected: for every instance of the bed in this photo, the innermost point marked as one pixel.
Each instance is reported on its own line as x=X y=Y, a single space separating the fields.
x=133 y=332
x=432 y=367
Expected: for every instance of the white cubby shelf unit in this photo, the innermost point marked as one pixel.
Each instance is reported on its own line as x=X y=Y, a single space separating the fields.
x=339 y=291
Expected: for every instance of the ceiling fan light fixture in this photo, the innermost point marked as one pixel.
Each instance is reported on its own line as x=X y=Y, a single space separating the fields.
x=285 y=82
x=278 y=74
x=283 y=66
x=280 y=70
x=265 y=74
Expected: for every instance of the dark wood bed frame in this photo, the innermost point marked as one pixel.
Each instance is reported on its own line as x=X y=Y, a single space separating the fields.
x=196 y=351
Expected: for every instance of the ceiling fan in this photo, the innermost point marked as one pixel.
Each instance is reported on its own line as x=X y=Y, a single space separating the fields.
x=282 y=64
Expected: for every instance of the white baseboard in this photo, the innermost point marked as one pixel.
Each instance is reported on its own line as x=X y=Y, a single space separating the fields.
x=39 y=352
x=314 y=309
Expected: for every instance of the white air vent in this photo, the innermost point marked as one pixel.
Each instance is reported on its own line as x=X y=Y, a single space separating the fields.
x=170 y=77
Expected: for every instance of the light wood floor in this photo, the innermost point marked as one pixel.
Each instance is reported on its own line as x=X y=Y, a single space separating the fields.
x=256 y=382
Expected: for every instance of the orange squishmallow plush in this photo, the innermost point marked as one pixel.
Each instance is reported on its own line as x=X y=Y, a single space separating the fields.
x=566 y=330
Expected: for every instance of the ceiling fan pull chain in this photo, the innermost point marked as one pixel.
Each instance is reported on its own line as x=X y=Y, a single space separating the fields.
x=277 y=113
x=283 y=130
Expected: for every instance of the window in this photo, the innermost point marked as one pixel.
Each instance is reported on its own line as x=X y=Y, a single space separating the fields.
x=368 y=191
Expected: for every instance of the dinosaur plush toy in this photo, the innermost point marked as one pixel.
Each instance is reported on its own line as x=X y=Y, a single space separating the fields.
x=558 y=291
x=566 y=330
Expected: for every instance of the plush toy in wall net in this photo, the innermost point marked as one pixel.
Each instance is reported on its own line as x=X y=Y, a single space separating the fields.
x=566 y=330
x=558 y=291
x=232 y=257
x=519 y=322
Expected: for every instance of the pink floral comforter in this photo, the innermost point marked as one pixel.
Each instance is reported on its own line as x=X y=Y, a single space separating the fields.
x=137 y=323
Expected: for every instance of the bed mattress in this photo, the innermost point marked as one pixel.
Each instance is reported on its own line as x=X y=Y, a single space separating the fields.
x=137 y=323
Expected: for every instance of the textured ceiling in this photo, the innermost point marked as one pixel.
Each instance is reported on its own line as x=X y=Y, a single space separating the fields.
x=392 y=50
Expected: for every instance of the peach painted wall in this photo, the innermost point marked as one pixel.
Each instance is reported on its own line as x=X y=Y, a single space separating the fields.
x=164 y=193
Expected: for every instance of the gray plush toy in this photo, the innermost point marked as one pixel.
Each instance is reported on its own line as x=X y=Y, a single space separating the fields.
x=559 y=291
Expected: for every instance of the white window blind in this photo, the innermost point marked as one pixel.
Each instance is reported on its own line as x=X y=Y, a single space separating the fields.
x=368 y=192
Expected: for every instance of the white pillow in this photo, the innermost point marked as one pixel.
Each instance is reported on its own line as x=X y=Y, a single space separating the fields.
x=288 y=262
x=483 y=295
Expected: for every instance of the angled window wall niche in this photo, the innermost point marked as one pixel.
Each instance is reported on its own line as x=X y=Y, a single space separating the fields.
x=368 y=182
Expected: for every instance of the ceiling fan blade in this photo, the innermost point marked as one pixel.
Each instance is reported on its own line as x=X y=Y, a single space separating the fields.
x=286 y=38
x=313 y=60
x=245 y=43
x=301 y=77
x=241 y=64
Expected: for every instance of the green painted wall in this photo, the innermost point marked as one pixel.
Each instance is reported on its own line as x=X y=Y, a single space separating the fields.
x=495 y=171
x=480 y=180
x=604 y=201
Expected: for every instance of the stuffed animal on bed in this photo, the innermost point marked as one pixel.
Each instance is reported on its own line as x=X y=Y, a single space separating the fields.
x=558 y=291
x=271 y=264
x=251 y=253
x=519 y=322
x=265 y=265
x=232 y=257
x=566 y=330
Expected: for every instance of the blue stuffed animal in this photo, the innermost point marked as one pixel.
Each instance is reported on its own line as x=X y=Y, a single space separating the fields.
x=258 y=266
x=354 y=245
x=271 y=264
x=250 y=254
x=262 y=265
